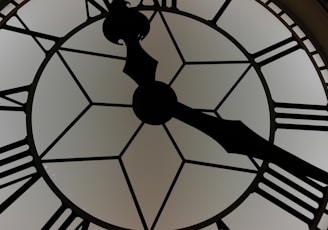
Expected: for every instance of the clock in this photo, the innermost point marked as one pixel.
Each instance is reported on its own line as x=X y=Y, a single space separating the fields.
x=162 y=115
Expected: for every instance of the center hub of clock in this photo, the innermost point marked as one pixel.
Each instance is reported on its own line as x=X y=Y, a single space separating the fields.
x=154 y=103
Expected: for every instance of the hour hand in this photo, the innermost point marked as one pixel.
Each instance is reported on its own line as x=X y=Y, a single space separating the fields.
x=124 y=23
x=236 y=137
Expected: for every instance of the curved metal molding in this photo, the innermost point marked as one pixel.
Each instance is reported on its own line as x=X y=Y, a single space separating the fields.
x=324 y=3
x=312 y=17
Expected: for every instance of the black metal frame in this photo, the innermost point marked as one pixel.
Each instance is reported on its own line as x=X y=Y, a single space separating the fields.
x=87 y=218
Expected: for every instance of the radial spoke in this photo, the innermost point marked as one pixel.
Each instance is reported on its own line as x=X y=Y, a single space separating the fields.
x=239 y=169
x=133 y=194
x=75 y=78
x=173 y=142
x=64 y=131
x=233 y=87
x=112 y=105
x=92 y=53
x=131 y=139
x=176 y=74
x=169 y=192
x=79 y=159
x=216 y=62
x=172 y=37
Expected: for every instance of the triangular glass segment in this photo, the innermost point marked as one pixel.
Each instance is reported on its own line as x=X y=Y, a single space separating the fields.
x=200 y=193
x=160 y=46
x=92 y=39
x=46 y=44
x=101 y=132
x=205 y=86
x=99 y=188
x=58 y=100
x=13 y=21
x=95 y=7
x=151 y=163
x=201 y=149
x=17 y=99
x=198 y=42
x=248 y=103
x=102 y=78
x=13 y=72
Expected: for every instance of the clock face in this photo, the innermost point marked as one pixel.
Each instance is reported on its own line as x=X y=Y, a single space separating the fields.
x=76 y=154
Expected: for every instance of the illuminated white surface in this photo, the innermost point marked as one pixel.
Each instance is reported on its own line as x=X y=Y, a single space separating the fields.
x=244 y=104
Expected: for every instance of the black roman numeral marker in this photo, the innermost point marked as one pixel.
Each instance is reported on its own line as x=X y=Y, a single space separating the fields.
x=279 y=183
x=301 y=116
x=59 y=218
x=276 y=51
x=18 y=166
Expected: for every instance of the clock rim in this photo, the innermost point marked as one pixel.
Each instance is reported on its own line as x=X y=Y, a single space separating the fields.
x=312 y=18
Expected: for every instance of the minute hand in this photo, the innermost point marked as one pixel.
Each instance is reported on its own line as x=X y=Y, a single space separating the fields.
x=236 y=137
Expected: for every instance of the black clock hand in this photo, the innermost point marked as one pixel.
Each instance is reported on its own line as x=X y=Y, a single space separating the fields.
x=131 y=26
x=236 y=137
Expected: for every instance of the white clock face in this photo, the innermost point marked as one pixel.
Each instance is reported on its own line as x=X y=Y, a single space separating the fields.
x=89 y=162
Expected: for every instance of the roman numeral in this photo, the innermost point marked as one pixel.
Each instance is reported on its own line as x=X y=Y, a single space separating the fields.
x=163 y=3
x=276 y=51
x=17 y=166
x=9 y=14
x=281 y=191
x=95 y=4
x=221 y=225
x=66 y=219
x=301 y=116
x=221 y=11
x=11 y=103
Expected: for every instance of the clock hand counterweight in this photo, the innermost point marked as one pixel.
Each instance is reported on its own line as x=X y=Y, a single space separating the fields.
x=131 y=26
x=153 y=101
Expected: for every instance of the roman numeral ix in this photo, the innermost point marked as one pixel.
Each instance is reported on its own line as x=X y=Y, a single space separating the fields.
x=17 y=166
